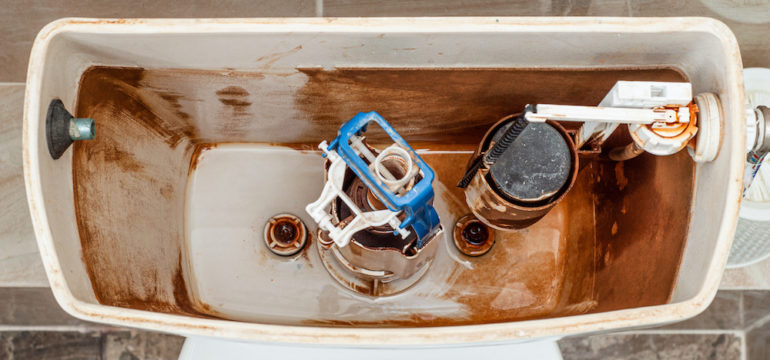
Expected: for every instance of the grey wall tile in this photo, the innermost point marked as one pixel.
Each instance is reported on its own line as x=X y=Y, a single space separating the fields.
x=20 y=262
x=758 y=342
x=50 y=345
x=72 y=345
x=756 y=306
x=724 y=313
x=475 y=8
x=35 y=307
x=749 y=20
x=652 y=346
x=20 y=21
x=131 y=345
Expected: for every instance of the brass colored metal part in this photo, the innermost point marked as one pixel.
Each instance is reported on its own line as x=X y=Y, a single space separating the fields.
x=285 y=235
x=472 y=237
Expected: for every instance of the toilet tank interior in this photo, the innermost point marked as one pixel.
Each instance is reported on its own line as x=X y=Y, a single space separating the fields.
x=136 y=190
x=200 y=138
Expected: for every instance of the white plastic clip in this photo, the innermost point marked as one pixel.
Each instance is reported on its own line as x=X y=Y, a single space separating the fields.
x=319 y=209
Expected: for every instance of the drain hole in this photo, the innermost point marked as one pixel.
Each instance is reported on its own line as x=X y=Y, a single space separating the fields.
x=285 y=235
x=475 y=233
x=394 y=165
x=394 y=168
x=472 y=237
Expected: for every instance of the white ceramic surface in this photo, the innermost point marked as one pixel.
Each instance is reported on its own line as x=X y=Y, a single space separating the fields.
x=20 y=263
x=205 y=349
x=704 y=49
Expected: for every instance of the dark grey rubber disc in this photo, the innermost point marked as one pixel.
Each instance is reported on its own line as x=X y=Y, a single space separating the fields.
x=535 y=166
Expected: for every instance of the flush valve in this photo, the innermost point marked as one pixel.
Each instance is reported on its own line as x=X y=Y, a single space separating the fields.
x=397 y=177
x=375 y=200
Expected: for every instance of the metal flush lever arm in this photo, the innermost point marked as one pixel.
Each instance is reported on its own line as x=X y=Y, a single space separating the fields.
x=662 y=118
x=661 y=130
x=617 y=115
x=543 y=112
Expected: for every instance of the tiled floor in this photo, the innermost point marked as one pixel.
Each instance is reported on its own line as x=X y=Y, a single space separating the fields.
x=654 y=346
x=737 y=323
x=114 y=345
x=34 y=327
x=735 y=326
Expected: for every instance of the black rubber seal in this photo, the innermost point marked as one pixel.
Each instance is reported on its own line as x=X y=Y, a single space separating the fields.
x=57 y=122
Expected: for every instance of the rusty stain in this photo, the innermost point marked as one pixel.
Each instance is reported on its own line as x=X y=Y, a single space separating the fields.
x=234 y=96
x=285 y=235
x=308 y=245
x=122 y=158
x=564 y=273
x=620 y=177
x=466 y=102
x=305 y=148
x=237 y=104
x=646 y=247
x=109 y=86
x=173 y=100
x=196 y=155
x=235 y=99
x=167 y=191
x=472 y=237
x=236 y=91
x=129 y=177
x=538 y=279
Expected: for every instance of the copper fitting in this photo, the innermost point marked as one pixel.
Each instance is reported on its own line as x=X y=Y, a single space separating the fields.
x=285 y=235
x=472 y=237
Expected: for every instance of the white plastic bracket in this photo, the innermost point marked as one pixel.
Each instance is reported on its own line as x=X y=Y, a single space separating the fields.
x=319 y=209
x=639 y=95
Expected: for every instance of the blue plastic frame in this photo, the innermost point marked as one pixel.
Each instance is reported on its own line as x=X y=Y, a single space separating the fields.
x=417 y=202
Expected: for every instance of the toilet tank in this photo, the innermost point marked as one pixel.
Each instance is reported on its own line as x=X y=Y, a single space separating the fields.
x=205 y=128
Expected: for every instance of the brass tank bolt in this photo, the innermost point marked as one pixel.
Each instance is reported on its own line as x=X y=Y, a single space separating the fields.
x=472 y=237
x=285 y=235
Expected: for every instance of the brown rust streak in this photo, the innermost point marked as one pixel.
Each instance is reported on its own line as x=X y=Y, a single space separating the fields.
x=449 y=105
x=136 y=167
x=643 y=213
x=525 y=275
x=544 y=271
x=196 y=155
x=128 y=186
x=236 y=109
x=122 y=90
x=556 y=267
